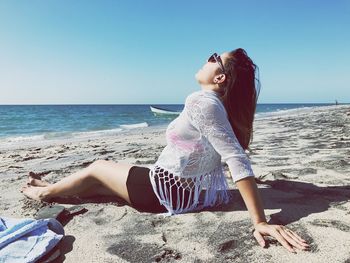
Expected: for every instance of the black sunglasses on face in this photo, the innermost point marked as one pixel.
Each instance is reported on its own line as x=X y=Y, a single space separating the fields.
x=216 y=58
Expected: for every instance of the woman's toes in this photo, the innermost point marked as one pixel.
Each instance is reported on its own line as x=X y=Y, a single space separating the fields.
x=36 y=182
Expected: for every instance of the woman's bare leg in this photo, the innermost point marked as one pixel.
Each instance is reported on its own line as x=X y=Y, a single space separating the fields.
x=93 y=191
x=110 y=175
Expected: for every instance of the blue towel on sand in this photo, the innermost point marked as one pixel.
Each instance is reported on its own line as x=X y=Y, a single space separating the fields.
x=27 y=240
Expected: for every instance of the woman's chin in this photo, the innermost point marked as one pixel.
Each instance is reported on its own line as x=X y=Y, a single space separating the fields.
x=197 y=77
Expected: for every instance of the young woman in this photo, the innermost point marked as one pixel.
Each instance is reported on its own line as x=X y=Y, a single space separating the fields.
x=216 y=124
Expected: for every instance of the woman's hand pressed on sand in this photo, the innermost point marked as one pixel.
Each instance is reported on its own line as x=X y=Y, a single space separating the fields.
x=285 y=236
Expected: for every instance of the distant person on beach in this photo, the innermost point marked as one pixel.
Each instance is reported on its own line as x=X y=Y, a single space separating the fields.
x=216 y=125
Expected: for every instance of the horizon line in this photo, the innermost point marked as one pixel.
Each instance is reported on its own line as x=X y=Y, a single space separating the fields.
x=83 y=104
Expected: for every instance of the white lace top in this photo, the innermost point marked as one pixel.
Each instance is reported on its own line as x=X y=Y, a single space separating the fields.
x=197 y=140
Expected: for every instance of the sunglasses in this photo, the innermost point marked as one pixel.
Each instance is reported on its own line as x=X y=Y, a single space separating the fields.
x=216 y=58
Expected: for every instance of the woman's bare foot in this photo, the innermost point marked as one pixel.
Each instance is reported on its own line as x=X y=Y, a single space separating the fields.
x=35 y=192
x=36 y=181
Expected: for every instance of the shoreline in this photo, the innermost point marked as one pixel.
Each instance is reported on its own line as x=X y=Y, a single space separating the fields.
x=59 y=141
x=5 y=144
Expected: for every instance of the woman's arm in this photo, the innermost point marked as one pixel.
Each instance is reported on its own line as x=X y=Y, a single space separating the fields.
x=208 y=116
x=251 y=197
x=250 y=194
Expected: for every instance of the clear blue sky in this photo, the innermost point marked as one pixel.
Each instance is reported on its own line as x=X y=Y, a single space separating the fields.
x=62 y=52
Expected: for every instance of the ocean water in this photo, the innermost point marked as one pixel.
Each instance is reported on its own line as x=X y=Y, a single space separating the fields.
x=45 y=122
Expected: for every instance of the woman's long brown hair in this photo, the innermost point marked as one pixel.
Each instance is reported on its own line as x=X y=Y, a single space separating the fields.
x=240 y=92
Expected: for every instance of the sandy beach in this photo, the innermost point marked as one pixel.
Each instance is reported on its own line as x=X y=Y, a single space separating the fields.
x=301 y=160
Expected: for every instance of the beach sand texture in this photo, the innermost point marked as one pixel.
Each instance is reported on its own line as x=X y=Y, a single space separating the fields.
x=301 y=160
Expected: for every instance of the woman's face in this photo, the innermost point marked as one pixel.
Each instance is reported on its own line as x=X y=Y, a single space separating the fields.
x=211 y=73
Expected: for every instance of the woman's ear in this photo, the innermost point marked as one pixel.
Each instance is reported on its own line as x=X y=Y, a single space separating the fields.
x=219 y=78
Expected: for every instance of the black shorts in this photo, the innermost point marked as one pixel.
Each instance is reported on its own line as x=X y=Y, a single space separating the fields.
x=141 y=193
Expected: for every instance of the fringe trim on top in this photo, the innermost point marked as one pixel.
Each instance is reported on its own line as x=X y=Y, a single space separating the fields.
x=214 y=182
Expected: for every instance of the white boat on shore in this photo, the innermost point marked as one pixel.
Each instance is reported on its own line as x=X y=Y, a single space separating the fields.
x=160 y=111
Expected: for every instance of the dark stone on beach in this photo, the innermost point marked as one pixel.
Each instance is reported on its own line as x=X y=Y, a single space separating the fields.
x=62 y=214
x=50 y=212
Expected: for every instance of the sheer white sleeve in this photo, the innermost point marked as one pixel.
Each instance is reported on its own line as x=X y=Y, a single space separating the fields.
x=209 y=117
